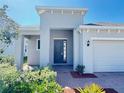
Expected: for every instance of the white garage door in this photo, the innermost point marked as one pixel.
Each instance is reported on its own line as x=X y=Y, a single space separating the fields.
x=108 y=56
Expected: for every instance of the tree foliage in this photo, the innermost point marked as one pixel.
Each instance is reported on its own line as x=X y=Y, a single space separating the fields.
x=8 y=29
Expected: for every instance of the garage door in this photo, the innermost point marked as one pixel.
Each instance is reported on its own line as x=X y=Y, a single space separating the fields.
x=108 y=56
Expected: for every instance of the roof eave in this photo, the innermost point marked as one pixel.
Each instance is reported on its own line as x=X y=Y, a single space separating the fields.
x=101 y=27
x=41 y=9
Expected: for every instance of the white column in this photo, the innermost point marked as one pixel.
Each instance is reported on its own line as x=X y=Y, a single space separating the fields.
x=81 y=48
x=44 y=47
x=76 y=53
x=19 y=51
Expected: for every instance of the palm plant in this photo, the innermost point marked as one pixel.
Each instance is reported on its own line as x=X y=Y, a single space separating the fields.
x=93 y=88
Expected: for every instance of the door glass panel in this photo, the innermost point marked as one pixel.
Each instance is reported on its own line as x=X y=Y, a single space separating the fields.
x=65 y=50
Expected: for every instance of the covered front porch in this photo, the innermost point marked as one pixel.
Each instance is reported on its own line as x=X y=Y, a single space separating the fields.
x=27 y=46
x=60 y=48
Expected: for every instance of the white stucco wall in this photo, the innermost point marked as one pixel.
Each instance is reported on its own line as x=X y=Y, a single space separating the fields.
x=76 y=49
x=19 y=53
x=57 y=21
x=61 y=20
x=33 y=53
x=88 y=57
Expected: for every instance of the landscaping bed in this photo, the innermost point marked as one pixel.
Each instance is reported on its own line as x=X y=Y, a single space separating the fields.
x=42 y=80
x=85 y=75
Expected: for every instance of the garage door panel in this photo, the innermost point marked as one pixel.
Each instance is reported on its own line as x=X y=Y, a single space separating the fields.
x=107 y=61
x=109 y=68
x=108 y=56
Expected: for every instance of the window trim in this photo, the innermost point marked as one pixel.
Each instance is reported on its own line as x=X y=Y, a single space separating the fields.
x=37 y=44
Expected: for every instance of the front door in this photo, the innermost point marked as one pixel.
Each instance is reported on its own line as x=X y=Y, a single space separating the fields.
x=60 y=51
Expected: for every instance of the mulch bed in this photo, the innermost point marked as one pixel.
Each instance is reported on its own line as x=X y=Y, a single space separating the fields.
x=86 y=75
x=107 y=90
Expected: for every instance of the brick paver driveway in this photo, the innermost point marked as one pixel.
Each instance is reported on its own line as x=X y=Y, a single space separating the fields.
x=106 y=80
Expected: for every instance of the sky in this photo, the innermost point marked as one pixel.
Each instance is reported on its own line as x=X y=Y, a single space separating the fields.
x=24 y=12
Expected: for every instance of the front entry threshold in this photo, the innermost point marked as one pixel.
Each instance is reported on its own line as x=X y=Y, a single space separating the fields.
x=61 y=64
x=62 y=68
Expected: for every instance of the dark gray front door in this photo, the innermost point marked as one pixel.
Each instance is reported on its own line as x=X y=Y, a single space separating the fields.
x=60 y=51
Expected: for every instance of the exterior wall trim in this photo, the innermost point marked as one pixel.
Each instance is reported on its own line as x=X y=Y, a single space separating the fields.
x=42 y=10
x=60 y=38
x=29 y=30
x=96 y=38
x=101 y=27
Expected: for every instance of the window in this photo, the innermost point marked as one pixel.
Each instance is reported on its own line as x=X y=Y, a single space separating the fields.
x=38 y=44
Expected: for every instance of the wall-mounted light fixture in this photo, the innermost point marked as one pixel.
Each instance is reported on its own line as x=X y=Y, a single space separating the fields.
x=88 y=43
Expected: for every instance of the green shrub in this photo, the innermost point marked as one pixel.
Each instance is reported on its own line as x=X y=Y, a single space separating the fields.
x=80 y=69
x=8 y=74
x=47 y=87
x=40 y=81
x=93 y=88
x=7 y=59
x=41 y=74
x=18 y=87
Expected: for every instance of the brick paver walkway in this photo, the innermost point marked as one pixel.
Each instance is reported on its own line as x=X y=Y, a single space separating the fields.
x=106 y=80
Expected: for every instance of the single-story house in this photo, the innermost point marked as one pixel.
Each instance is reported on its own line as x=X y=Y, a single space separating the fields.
x=63 y=39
